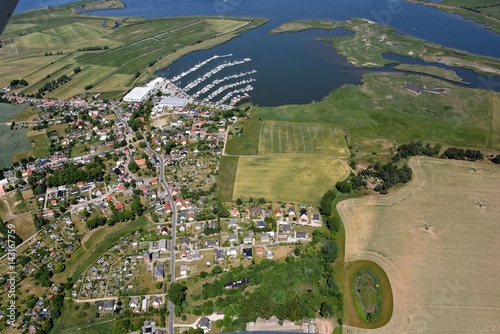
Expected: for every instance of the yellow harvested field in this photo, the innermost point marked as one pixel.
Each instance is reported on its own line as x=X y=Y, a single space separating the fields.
x=438 y=240
x=287 y=137
x=298 y=179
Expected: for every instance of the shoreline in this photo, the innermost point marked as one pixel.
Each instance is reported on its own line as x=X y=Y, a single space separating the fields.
x=460 y=11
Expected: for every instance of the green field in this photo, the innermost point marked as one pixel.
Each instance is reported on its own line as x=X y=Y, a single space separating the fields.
x=299 y=179
x=8 y=111
x=227 y=176
x=11 y=143
x=246 y=143
x=286 y=137
x=382 y=108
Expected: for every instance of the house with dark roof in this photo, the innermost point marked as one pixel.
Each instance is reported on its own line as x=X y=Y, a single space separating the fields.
x=205 y=324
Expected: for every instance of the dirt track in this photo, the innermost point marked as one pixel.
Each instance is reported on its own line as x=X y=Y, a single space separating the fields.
x=444 y=278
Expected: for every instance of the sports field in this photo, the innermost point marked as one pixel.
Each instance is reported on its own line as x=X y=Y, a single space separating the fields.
x=441 y=259
x=286 y=137
x=298 y=179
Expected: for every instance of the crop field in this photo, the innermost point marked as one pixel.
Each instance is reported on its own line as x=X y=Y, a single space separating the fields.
x=298 y=179
x=287 y=137
x=132 y=48
x=59 y=37
x=8 y=111
x=382 y=108
x=227 y=176
x=442 y=258
x=11 y=142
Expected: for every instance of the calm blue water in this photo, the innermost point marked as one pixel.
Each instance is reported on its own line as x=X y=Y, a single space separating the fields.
x=293 y=68
x=25 y=5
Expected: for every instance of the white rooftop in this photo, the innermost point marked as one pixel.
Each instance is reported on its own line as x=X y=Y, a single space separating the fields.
x=137 y=94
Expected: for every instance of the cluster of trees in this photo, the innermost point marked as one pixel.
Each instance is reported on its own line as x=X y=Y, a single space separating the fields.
x=93 y=48
x=354 y=182
x=461 y=154
x=416 y=148
x=389 y=174
x=77 y=69
x=40 y=221
x=18 y=82
x=96 y=222
x=72 y=174
x=53 y=84
x=51 y=54
x=43 y=275
x=496 y=159
x=136 y=210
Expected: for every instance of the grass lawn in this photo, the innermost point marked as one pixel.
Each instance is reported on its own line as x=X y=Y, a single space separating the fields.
x=298 y=179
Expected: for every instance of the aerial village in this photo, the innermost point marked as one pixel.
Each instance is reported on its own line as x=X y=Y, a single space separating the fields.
x=108 y=165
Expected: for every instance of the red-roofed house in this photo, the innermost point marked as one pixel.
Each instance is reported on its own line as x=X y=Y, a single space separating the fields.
x=119 y=206
x=141 y=163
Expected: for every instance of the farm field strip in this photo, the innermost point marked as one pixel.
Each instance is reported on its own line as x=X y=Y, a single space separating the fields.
x=443 y=278
x=288 y=137
x=299 y=179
